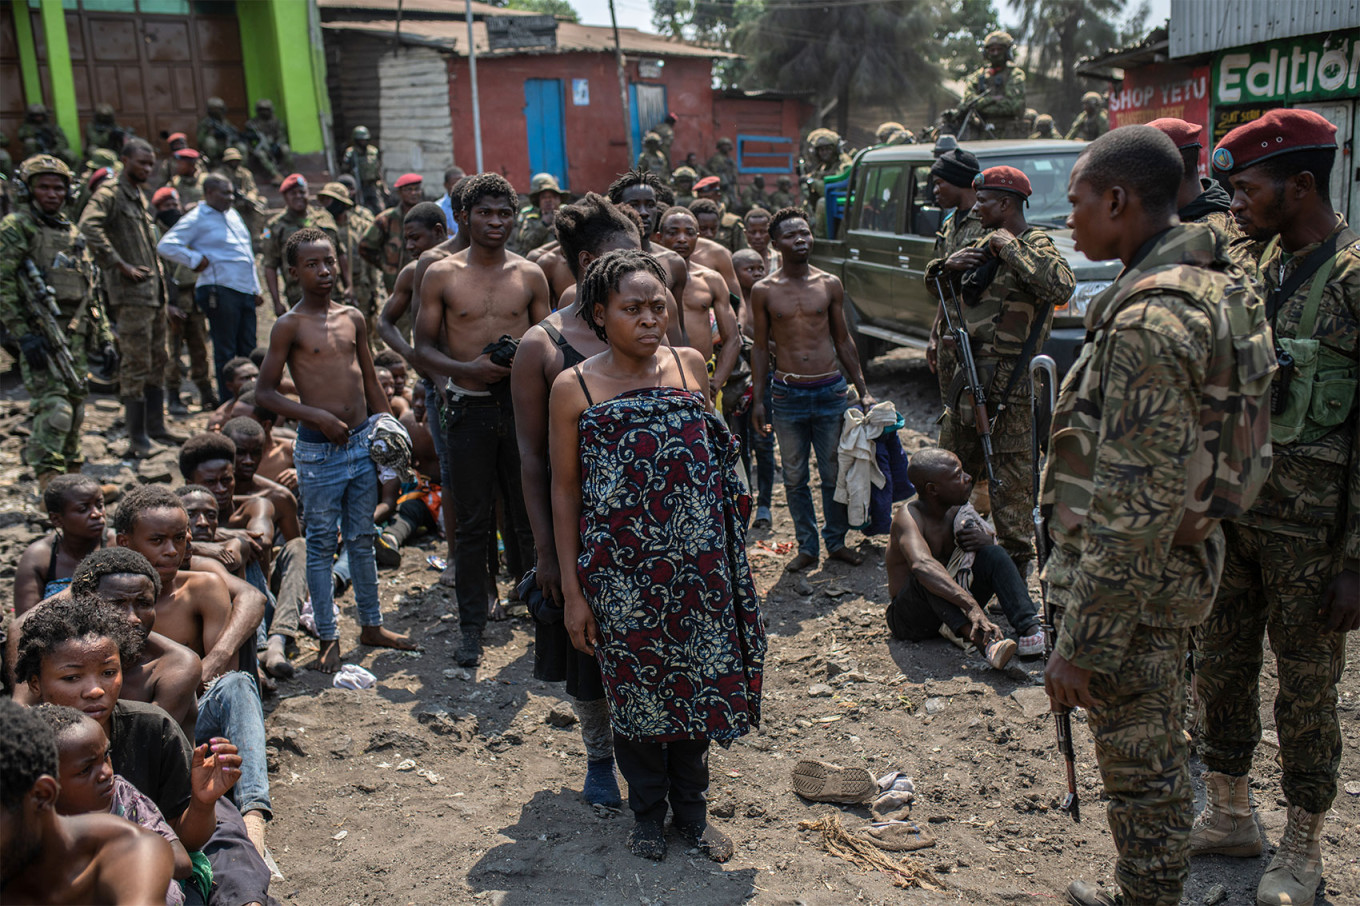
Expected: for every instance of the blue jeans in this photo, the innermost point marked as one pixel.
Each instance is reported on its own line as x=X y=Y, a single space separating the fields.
x=339 y=488
x=231 y=708
x=231 y=324
x=808 y=418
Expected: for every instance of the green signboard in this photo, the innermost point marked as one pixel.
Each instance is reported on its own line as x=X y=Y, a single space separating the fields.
x=1311 y=68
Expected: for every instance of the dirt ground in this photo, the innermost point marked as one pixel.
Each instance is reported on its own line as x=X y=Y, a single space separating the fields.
x=453 y=786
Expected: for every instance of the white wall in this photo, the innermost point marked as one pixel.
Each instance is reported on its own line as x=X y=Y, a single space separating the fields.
x=416 y=128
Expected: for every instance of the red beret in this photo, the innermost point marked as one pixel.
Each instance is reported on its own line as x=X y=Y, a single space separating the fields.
x=708 y=182
x=176 y=137
x=1183 y=134
x=188 y=154
x=1280 y=131
x=294 y=179
x=164 y=193
x=1007 y=179
x=98 y=176
x=408 y=179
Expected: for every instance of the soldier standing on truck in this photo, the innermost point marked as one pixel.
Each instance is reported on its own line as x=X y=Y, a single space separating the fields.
x=41 y=250
x=1007 y=285
x=996 y=92
x=827 y=160
x=951 y=178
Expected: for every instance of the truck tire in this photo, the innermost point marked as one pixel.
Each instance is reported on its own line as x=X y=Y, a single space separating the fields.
x=868 y=348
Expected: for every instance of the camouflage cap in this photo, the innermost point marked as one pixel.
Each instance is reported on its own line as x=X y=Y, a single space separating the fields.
x=40 y=164
x=785 y=180
x=542 y=182
x=1091 y=97
x=103 y=111
x=35 y=110
x=683 y=173
x=103 y=157
x=217 y=104
x=264 y=104
x=1043 y=119
x=361 y=133
x=1031 y=114
x=820 y=138
x=724 y=141
x=337 y=191
x=998 y=37
x=230 y=155
x=651 y=138
x=886 y=130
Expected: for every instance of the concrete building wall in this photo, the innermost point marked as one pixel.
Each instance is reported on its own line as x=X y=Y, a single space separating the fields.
x=414 y=121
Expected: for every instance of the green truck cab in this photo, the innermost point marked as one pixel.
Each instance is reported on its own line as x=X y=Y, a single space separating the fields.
x=885 y=223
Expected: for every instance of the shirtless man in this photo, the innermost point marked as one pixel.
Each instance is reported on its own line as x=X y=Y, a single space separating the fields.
x=425 y=228
x=928 y=582
x=249 y=437
x=209 y=460
x=588 y=229
x=705 y=299
x=467 y=302
x=324 y=346
x=799 y=309
x=276 y=462
x=237 y=374
x=50 y=858
x=757 y=222
x=641 y=190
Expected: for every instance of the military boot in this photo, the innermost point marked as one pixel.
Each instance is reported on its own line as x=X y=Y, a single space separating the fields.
x=207 y=398
x=176 y=406
x=1227 y=826
x=155 y=419
x=1294 y=874
x=139 y=444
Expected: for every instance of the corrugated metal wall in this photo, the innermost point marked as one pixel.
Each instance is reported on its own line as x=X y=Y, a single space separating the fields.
x=417 y=134
x=1203 y=26
x=352 y=80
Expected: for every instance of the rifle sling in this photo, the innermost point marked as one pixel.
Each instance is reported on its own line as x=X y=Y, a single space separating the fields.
x=1021 y=367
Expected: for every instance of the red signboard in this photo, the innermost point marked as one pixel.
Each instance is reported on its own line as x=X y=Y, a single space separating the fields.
x=1161 y=90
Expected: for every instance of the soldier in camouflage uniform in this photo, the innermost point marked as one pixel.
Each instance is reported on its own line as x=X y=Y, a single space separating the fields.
x=384 y=245
x=188 y=179
x=104 y=132
x=997 y=91
x=715 y=222
x=534 y=229
x=352 y=222
x=39 y=135
x=102 y=159
x=1043 y=128
x=951 y=179
x=295 y=216
x=891 y=133
x=267 y=137
x=118 y=225
x=753 y=196
x=723 y=166
x=1008 y=283
x=1135 y=563
x=363 y=161
x=782 y=196
x=38 y=232
x=248 y=201
x=216 y=134
x=666 y=130
x=185 y=324
x=653 y=158
x=827 y=160
x=1293 y=560
x=682 y=184
x=1092 y=122
x=1203 y=200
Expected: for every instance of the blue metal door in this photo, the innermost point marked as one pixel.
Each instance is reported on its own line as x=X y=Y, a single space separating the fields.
x=647 y=107
x=544 y=119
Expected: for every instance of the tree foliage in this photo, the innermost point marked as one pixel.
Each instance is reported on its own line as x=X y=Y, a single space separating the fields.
x=967 y=23
x=712 y=23
x=1060 y=33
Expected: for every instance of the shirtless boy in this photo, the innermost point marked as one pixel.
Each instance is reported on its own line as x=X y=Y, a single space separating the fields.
x=928 y=583
x=705 y=299
x=467 y=302
x=238 y=373
x=75 y=509
x=50 y=858
x=249 y=437
x=799 y=309
x=425 y=228
x=325 y=348
x=209 y=460
x=641 y=190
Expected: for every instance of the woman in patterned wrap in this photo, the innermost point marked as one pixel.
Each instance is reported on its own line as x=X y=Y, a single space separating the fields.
x=649 y=516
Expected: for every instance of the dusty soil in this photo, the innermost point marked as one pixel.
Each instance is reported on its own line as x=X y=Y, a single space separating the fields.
x=445 y=785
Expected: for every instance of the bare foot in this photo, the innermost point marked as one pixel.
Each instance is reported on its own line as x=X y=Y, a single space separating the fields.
x=846 y=555
x=276 y=662
x=449 y=577
x=379 y=637
x=328 y=658
x=800 y=562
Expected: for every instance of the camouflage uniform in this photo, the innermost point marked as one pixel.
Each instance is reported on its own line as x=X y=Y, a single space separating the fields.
x=117 y=223
x=192 y=330
x=1117 y=489
x=1031 y=280
x=957 y=231
x=275 y=237
x=731 y=230
x=59 y=250
x=268 y=139
x=1043 y=128
x=359 y=222
x=666 y=132
x=383 y=245
x=782 y=197
x=1000 y=96
x=365 y=165
x=724 y=167
x=653 y=158
x=1283 y=554
x=103 y=131
x=39 y=135
x=216 y=135
x=1089 y=124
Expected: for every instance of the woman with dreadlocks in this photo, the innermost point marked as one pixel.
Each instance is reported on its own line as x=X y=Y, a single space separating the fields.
x=649 y=519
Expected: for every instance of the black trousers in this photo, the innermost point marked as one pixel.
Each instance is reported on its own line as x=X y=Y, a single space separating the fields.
x=661 y=772
x=480 y=441
x=915 y=614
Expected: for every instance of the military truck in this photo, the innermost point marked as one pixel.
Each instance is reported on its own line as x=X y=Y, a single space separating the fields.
x=885 y=226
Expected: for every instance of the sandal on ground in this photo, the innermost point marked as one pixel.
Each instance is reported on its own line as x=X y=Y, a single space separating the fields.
x=822 y=781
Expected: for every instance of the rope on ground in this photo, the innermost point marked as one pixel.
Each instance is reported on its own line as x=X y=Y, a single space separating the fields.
x=860 y=851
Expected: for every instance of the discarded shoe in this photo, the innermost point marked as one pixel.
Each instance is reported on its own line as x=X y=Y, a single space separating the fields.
x=821 y=781
x=386 y=550
x=897 y=836
x=601 y=786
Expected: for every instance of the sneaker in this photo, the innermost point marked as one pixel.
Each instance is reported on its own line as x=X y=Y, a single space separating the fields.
x=1032 y=645
x=1000 y=652
x=763 y=518
x=386 y=550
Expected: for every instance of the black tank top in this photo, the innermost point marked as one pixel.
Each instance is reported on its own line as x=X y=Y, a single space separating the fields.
x=570 y=356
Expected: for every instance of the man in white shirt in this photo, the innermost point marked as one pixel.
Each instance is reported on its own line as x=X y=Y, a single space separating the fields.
x=214 y=241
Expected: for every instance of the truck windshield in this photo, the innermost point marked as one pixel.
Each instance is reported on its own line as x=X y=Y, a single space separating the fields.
x=1047 y=174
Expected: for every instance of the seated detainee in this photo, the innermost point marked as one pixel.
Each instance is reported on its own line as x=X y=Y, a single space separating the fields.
x=201 y=505
x=89 y=786
x=72 y=653
x=416 y=508
x=51 y=858
x=400 y=405
x=209 y=459
x=276 y=462
x=944 y=565
x=75 y=509
x=249 y=437
x=239 y=374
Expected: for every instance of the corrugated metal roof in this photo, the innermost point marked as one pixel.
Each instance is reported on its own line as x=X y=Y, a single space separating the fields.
x=452 y=36
x=1203 y=26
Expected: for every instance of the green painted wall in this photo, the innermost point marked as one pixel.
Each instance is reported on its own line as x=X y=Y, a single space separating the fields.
x=279 y=62
x=63 y=106
x=28 y=57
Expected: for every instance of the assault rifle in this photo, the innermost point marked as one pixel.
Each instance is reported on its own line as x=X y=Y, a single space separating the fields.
x=43 y=305
x=1042 y=364
x=982 y=422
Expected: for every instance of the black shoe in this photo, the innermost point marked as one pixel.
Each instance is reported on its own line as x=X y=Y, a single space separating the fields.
x=470 y=648
x=386 y=550
x=176 y=406
x=207 y=398
x=708 y=839
x=648 y=841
